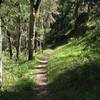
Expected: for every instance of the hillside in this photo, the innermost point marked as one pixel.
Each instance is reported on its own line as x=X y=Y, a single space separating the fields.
x=74 y=70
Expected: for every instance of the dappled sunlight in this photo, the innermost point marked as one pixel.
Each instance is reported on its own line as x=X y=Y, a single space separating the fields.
x=49 y=49
x=73 y=73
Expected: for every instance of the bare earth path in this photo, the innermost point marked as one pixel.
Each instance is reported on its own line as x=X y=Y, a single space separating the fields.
x=41 y=78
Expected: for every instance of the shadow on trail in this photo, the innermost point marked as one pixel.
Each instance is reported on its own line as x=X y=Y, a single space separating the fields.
x=82 y=83
x=18 y=92
x=41 y=80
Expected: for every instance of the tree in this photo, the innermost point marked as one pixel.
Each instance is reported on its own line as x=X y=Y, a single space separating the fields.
x=10 y=44
x=0 y=53
x=18 y=30
x=34 y=7
x=47 y=14
x=15 y=23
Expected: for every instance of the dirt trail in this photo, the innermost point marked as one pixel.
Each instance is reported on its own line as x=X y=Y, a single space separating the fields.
x=41 y=78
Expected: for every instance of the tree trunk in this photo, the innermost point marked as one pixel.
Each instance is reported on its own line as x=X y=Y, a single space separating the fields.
x=18 y=37
x=32 y=19
x=76 y=12
x=33 y=12
x=76 y=9
x=0 y=53
x=10 y=46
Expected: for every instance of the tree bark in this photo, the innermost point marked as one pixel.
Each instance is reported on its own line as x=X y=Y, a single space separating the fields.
x=18 y=37
x=0 y=53
x=10 y=46
x=76 y=12
x=33 y=13
x=30 y=45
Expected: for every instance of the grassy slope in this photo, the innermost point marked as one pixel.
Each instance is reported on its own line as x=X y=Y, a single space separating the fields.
x=74 y=72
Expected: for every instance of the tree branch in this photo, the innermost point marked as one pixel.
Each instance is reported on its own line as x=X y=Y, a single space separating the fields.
x=36 y=6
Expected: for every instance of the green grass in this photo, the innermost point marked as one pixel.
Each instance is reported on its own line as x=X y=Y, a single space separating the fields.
x=18 y=78
x=74 y=72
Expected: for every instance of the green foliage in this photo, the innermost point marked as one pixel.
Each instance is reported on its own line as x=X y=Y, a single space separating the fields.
x=74 y=71
x=18 y=78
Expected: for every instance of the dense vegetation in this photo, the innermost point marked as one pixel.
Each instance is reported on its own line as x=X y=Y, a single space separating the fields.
x=70 y=28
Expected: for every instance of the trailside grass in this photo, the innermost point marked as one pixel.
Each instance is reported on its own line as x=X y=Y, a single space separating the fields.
x=18 y=78
x=74 y=72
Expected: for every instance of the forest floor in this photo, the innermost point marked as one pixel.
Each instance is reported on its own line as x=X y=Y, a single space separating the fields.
x=68 y=72
x=24 y=80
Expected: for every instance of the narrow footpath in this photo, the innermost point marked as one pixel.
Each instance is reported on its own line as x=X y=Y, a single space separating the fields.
x=41 y=78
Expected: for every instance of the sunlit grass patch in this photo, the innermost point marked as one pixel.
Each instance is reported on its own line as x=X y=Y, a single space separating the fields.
x=15 y=71
x=73 y=72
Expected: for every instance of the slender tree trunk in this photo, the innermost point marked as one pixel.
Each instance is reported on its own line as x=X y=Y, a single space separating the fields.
x=25 y=43
x=89 y=8
x=20 y=42
x=18 y=37
x=10 y=46
x=33 y=13
x=30 y=45
x=76 y=12
x=0 y=53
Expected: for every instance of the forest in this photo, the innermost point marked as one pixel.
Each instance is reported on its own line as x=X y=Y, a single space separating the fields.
x=49 y=49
